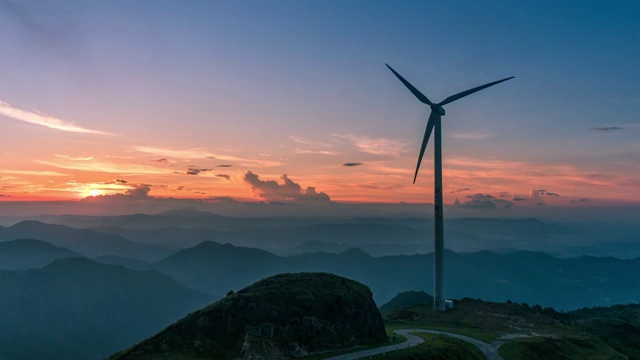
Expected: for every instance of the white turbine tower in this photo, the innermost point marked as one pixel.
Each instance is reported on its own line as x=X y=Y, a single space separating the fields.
x=437 y=111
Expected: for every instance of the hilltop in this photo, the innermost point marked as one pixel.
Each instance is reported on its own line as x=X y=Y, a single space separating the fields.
x=287 y=315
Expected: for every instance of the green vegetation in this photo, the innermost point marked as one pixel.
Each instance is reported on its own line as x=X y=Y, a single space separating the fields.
x=547 y=348
x=534 y=332
x=482 y=320
x=436 y=347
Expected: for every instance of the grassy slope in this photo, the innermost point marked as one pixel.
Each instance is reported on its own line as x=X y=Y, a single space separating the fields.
x=566 y=348
x=543 y=337
x=483 y=320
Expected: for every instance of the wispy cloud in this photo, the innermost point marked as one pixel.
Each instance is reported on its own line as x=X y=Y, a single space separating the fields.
x=76 y=158
x=314 y=143
x=376 y=146
x=44 y=120
x=203 y=154
x=318 y=152
x=472 y=136
x=196 y=171
x=33 y=172
x=483 y=201
x=106 y=167
x=460 y=190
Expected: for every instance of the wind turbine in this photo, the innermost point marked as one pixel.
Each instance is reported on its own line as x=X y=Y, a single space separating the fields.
x=437 y=111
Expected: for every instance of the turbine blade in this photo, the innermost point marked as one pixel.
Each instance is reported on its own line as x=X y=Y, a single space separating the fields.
x=460 y=95
x=415 y=91
x=427 y=134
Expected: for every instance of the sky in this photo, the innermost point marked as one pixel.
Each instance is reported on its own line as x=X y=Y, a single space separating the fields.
x=291 y=102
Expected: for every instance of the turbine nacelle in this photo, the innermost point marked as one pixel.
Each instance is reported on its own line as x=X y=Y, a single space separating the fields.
x=437 y=108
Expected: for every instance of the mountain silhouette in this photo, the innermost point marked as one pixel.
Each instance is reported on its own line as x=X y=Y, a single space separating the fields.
x=23 y=254
x=84 y=241
x=76 y=308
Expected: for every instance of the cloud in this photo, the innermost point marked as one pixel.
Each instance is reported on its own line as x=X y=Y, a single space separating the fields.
x=316 y=152
x=44 y=120
x=539 y=204
x=351 y=164
x=376 y=146
x=77 y=158
x=163 y=160
x=519 y=199
x=535 y=194
x=317 y=147
x=472 y=136
x=551 y=194
x=304 y=141
x=119 y=181
x=224 y=199
x=224 y=165
x=580 y=200
x=202 y=154
x=460 y=190
x=288 y=191
x=607 y=128
x=106 y=167
x=195 y=171
x=224 y=176
x=139 y=191
x=482 y=201
x=33 y=172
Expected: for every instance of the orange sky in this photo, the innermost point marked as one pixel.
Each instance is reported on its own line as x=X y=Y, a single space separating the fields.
x=99 y=100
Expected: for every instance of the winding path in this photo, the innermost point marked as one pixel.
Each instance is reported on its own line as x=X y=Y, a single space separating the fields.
x=489 y=351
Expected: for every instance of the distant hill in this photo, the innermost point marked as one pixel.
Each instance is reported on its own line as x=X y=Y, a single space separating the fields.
x=28 y=253
x=406 y=299
x=86 y=242
x=523 y=276
x=283 y=316
x=129 y=263
x=217 y=268
x=405 y=234
x=77 y=309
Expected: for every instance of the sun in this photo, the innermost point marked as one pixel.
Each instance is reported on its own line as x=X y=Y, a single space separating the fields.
x=92 y=192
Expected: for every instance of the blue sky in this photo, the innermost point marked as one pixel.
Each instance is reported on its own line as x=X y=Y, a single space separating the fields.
x=282 y=81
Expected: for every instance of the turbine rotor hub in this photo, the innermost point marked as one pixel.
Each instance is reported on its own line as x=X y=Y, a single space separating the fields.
x=437 y=108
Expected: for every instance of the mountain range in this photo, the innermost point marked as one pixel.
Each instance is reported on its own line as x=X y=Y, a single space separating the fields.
x=379 y=236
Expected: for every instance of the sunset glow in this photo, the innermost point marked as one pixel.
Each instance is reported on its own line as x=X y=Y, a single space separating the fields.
x=107 y=113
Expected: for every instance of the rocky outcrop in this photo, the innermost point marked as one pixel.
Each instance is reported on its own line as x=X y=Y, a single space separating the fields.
x=283 y=316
